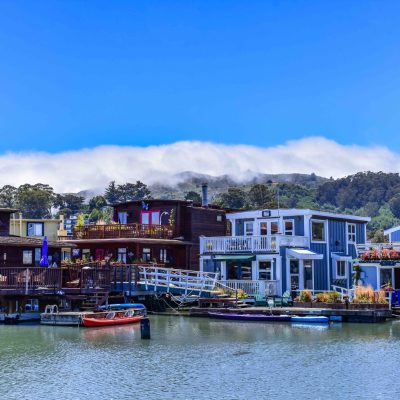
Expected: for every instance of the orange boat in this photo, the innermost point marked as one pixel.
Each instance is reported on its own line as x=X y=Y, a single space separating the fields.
x=110 y=318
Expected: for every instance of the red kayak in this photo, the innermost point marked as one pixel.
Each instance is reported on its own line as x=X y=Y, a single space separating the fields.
x=111 y=318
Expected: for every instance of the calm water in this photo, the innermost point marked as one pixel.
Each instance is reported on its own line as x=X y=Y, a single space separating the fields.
x=191 y=358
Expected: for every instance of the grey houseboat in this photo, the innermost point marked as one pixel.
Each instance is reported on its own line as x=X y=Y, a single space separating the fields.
x=280 y=249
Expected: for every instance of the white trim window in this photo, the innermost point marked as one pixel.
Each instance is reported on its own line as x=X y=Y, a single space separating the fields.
x=318 y=230
x=265 y=270
x=248 y=228
x=288 y=227
x=35 y=229
x=351 y=233
x=341 y=269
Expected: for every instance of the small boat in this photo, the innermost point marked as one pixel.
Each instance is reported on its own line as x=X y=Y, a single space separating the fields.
x=111 y=318
x=310 y=319
x=250 y=317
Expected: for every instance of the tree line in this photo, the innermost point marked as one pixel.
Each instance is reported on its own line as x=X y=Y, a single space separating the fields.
x=365 y=193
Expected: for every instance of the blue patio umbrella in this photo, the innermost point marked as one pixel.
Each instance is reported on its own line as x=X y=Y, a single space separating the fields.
x=44 y=262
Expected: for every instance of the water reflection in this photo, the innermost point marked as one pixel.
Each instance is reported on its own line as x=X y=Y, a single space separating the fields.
x=200 y=358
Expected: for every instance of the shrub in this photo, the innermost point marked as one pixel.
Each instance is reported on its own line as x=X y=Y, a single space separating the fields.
x=328 y=297
x=305 y=296
x=364 y=294
x=382 y=297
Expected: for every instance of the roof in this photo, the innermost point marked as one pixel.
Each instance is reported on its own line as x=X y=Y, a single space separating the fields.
x=31 y=242
x=8 y=210
x=304 y=254
x=283 y=212
x=169 y=201
x=391 y=230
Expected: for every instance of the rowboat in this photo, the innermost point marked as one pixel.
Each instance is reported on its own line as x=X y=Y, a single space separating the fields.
x=250 y=317
x=310 y=319
x=111 y=318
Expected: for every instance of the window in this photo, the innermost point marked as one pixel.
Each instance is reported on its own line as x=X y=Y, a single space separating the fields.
x=146 y=255
x=340 y=269
x=289 y=227
x=35 y=229
x=274 y=227
x=163 y=256
x=122 y=255
x=150 y=218
x=123 y=217
x=318 y=231
x=219 y=218
x=265 y=270
x=351 y=233
x=248 y=228
x=38 y=255
x=27 y=257
x=263 y=228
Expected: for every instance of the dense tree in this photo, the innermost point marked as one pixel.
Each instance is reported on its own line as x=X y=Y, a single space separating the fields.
x=133 y=191
x=97 y=202
x=69 y=203
x=111 y=193
x=7 y=196
x=233 y=198
x=35 y=201
x=193 y=196
x=262 y=196
x=394 y=205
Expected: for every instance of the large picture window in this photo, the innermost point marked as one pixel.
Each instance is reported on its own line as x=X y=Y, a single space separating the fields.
x=318 y=231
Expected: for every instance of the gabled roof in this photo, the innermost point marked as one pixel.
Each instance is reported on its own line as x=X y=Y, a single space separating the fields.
x=7 y=210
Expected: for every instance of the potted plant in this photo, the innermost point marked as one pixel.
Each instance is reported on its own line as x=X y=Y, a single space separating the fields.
x=304 y=299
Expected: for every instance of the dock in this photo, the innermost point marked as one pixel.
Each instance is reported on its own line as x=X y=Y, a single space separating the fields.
x=369 y=316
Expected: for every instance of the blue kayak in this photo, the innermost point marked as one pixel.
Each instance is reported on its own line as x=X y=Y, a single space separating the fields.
x=122 y=306
x=310 y=319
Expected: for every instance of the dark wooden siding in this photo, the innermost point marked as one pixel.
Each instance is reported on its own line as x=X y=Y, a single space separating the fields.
x=4 y=223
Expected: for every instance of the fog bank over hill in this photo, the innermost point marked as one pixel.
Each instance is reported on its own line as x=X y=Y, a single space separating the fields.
x=78 y=170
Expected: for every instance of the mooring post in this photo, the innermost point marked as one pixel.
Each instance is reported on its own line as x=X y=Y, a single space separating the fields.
x=145 y=328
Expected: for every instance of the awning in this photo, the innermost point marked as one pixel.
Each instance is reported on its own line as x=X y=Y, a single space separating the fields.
x=304 y=254
x=234 y=257
x=341 y=257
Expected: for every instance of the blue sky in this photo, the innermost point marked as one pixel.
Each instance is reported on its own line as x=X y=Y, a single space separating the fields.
x=77 y=74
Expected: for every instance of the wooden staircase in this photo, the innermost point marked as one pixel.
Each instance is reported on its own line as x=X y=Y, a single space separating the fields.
x=94 y=300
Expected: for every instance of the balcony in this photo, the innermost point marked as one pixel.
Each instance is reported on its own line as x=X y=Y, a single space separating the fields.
x=114 y=231
x=379 y=252
x=249 y=244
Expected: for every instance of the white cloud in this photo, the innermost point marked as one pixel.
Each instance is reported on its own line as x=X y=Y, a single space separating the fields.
x=94 y=168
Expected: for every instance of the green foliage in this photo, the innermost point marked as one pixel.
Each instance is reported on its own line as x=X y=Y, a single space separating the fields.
x=69 y=204
x=97 y=202
x=127 y=192
x=193 y=196
x=394 y=205
x=233 y=198
x=262 y=196
x=35 y=201
x=7 y=196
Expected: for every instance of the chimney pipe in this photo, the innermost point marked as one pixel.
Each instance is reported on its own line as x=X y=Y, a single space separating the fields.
x=204 y=199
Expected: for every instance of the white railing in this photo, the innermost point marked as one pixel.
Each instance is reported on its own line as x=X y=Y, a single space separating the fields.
x=252 y=288
x=171 y=278
x=250 y=244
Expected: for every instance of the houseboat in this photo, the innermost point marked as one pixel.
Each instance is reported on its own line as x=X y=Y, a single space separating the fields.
x=271 y=251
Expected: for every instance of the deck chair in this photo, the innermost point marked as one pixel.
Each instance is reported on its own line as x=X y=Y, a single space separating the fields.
x=284 y=301
x=260 y=300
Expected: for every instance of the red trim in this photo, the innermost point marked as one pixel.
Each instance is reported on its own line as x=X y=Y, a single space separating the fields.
x=150 y=217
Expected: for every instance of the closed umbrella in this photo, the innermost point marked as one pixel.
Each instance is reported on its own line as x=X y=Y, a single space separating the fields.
x=44 y=261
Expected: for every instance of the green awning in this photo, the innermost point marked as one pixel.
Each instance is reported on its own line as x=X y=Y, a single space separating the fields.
x=234 y=257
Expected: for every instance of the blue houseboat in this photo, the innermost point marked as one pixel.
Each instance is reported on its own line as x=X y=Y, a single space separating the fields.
x=271 y=251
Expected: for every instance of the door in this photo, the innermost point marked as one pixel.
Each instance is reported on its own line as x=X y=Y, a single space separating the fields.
x=308 y=275
x=396 y=278
x=386 y=278
x=294 y=275
x=99 y=254
x=270 y=227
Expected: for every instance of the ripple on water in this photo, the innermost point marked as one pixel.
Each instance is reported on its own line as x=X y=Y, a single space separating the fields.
x=200 y=359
